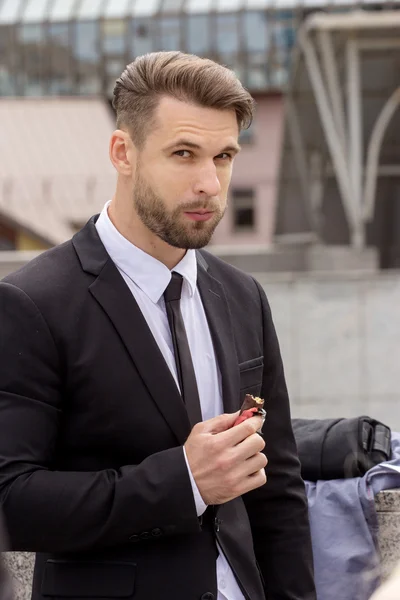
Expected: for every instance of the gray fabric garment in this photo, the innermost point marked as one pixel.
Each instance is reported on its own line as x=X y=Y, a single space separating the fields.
x=344 y=530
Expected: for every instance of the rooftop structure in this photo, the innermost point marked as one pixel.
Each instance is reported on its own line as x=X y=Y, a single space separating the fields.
x=54 y=168
x=80 y=46
x=340 y=168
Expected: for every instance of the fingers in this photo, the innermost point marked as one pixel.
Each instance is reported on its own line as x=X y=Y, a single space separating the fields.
x=254 y=464
x=250 y=446
x=218 y=424
x=237 y=434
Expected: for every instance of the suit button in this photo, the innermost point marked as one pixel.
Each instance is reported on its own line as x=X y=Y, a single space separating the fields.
x=134 y=538
x=145 y=535
x=208 y=596
x=156 y=532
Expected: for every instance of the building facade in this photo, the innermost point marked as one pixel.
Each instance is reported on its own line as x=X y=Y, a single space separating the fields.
x=79 y=48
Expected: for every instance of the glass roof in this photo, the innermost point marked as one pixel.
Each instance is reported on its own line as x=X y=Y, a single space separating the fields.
x=10 y=11
x=90 y=9
x=61 y=10
x=117 y=9
x=33 y=11
x=145 y=8
x=198 y=6
x=229 y=5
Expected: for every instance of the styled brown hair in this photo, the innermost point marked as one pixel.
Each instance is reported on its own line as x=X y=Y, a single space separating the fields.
x=185 y=77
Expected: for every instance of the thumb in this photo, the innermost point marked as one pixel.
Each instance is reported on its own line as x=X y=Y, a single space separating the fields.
x=220 y=423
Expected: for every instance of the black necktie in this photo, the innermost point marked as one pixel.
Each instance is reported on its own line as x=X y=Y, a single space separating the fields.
x=183 y=358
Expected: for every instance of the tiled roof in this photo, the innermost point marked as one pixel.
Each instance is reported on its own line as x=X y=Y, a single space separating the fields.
x=54 y=166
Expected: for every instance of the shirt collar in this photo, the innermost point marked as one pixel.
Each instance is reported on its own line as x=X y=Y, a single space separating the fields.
x=148 y=273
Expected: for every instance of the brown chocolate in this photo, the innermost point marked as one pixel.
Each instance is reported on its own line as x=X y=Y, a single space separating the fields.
x=252 y=402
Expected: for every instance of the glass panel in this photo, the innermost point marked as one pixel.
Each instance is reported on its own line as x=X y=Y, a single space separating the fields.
x=243 y=209
x=30 y=34
x=114 y=67
x=35 y=11
x=145 y=8
x=114 y=36
x=257 y=3
x=60 y=81
x=198 y=6
x=7 y=61
x=87 y=41
x=142 y=36
x=170 y=34
x=32 y=59
x=11 y=10
x=116 y=9
x=90 y=9
x=89 y=84
x=173 y=6
x=247 y=135
x=61 y=10
x=229 y=5
x=227 y=34
x=256 y=31
x=198 y=34
x=257 y=76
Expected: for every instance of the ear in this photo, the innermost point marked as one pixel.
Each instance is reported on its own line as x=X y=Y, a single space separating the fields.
x=122 y=152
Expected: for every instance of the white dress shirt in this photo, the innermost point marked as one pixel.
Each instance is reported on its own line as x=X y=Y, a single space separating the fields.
x=147 y=279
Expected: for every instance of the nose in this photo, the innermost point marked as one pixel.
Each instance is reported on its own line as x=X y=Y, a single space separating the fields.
x=207 y=181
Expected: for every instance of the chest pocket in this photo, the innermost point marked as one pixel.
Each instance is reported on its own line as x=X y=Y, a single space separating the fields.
x=251 y=373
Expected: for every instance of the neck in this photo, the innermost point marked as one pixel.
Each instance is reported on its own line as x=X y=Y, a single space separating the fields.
x=125 y=220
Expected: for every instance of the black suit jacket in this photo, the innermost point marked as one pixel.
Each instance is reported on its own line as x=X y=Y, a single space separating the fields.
x=92 y=471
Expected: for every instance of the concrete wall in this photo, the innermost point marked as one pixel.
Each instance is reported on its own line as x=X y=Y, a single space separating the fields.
x=340 y=340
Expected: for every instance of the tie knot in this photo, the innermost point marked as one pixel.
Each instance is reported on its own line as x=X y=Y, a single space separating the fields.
x=174 y=288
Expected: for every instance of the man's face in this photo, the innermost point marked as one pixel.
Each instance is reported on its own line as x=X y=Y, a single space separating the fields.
x=183 y=171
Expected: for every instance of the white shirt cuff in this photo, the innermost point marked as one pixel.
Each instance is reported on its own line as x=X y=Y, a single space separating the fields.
x=198 y=500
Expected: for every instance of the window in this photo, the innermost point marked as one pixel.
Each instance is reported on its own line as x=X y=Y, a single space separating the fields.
x=256 y=37
x=227 y=35
x=142 y=36
x=114 y=37
x=243 y=210
x=247 y=135
x=87 y=53
x=170 y=33
x=7 y=237
x=86 y=43
x=60 y=59
x=198 y=34
x=31 y=71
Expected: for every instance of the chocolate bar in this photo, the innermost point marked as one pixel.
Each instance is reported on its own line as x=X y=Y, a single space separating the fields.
x=251 y=406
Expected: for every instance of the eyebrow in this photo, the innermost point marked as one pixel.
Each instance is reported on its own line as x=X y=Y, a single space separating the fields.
x=235 y=148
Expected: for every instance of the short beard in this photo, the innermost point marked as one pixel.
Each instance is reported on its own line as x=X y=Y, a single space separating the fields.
x=167 y=225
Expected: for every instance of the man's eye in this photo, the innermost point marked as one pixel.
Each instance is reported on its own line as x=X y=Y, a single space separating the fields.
x=183 y=153
x=224 y=156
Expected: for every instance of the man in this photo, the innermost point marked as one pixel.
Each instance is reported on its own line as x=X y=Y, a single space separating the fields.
x=122 y=349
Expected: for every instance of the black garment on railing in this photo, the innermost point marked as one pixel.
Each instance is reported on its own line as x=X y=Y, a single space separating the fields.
x=340 y=448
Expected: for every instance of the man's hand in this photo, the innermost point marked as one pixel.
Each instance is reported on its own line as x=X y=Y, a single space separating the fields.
x=226 y=461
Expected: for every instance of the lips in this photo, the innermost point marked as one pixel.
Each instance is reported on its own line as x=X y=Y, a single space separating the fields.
x=200 y=215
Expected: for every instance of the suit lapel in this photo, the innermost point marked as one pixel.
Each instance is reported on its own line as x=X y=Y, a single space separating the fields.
x=219 y=320
x=112 y=293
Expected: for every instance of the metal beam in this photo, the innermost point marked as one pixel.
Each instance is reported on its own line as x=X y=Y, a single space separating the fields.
x=354 y=115
x=374 y=149
x=333 y=83
x=332 y=138
x=300 y=157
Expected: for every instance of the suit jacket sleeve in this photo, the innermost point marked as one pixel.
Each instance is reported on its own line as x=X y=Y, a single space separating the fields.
x=278 y=511
x=93 y=509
